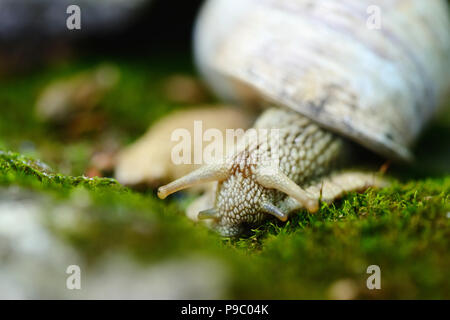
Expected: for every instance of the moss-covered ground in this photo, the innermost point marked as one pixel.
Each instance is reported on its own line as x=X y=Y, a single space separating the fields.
x=404 y=229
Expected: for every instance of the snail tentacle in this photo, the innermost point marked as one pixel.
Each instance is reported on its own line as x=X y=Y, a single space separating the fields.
x=207 y=173
x=272 y=178
x=269 y=208
x=212 y=213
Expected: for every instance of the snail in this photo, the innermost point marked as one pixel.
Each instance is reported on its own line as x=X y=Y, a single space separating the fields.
x=326 y=80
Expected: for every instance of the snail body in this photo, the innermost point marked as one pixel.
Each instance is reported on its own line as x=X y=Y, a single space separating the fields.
x=327 y=78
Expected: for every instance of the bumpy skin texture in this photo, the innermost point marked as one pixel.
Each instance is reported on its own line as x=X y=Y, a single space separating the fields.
x=306 y=153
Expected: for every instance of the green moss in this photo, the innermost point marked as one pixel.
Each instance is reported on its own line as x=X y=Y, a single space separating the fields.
x=404 y=229
x=16 y=169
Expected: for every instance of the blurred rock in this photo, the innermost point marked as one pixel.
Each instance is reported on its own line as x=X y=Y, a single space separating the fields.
x=71 y=103
x=195 y=277
x=34 y=260
x=81 y=92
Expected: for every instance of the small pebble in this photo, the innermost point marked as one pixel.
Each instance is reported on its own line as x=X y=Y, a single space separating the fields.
x=344 y=289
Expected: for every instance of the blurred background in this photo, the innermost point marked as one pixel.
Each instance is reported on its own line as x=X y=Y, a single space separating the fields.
x=35 y=32
x=72 y=100
x=145 y=48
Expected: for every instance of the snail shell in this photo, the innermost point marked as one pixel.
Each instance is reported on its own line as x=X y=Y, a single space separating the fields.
x=378 y=87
